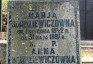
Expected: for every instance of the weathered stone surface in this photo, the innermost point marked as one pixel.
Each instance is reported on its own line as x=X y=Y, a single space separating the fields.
x=2 y=53
x=42 y=30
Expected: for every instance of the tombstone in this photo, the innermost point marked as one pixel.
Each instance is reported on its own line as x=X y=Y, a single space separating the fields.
x=43 y=32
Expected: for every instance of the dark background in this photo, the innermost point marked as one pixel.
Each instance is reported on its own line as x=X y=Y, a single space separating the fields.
x=86 y=19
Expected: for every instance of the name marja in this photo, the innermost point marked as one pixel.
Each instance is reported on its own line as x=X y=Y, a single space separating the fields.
x=42 y=15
